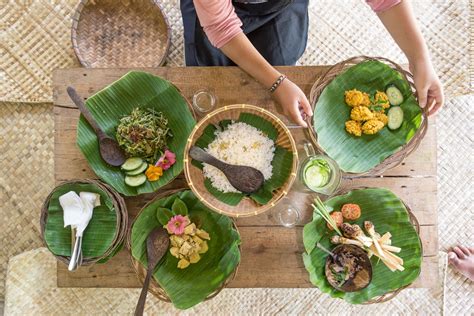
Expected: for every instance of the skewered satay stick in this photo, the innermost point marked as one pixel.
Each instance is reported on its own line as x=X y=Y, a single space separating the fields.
x=336 y=239
x=355 y=232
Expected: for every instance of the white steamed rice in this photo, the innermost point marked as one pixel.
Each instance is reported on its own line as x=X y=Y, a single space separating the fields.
x=239 y=144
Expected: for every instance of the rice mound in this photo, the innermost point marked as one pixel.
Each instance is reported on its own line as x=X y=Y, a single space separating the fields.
x=239 y=144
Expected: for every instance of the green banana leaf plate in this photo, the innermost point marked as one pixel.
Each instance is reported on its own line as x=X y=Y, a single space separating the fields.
x=192 y=285
x=282 y=161
x=360 y=154
x=388 y=214
x=99 y=235
x=108 y=106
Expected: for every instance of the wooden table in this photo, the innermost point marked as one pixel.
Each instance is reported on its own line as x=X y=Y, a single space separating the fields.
x=271 y=254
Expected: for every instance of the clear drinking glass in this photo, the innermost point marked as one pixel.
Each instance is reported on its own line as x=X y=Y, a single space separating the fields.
x=204 y=101
x=318 y=173
x=287 y=214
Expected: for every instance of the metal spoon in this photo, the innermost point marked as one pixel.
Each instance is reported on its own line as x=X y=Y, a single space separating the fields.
x=76 y=256
x=110 y=150
x=243 y=178
x=157 y=244
x=326 y=251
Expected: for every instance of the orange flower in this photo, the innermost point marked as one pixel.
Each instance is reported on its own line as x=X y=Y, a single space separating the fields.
x=153 y=173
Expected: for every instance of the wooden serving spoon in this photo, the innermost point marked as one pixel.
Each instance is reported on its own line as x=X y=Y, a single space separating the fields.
x=157 y=244
x=243 y=178
x=109 y=149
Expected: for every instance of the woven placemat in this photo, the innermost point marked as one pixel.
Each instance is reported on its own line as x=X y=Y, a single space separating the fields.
x=456 y=172
x=26 y=177
x=35 y=40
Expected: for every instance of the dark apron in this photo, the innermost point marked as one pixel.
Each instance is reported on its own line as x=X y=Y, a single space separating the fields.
x=277 y=28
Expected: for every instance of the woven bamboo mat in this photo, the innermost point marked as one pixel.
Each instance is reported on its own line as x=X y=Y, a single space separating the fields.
x=26 y=178
x=35 y=40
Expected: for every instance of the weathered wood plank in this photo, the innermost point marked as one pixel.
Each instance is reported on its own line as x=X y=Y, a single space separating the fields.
x=271 y=257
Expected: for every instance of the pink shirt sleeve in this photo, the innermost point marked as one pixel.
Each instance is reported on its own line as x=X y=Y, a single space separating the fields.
x=219 y=20
x=221 y=23
x=382 y=5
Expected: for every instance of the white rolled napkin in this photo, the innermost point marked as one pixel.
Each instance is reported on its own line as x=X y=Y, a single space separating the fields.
x=78 y=209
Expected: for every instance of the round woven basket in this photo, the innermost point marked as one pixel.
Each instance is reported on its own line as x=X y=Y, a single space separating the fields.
x=140 y=270
x=195 y=177
x=414 y=221
x=396 y=158
x=122 y=219
x=112 y=34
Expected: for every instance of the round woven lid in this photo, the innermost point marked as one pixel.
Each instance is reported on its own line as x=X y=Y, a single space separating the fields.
x=128 y=33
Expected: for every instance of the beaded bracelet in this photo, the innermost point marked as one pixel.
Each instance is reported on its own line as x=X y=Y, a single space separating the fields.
x=277 y=83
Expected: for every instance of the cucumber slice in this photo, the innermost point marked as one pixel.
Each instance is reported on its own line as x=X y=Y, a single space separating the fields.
x=395 y=97
x=135 y=181
x=132 y=163
x=137 y=171
x=316 y=175
x=395 y=117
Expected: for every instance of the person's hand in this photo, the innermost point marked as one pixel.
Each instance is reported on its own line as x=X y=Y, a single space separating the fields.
x=293 y=101
x=430 y=90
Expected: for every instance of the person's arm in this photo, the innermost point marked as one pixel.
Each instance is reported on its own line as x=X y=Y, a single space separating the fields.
x=288 y=94
x=222 y=27
x=401 y=24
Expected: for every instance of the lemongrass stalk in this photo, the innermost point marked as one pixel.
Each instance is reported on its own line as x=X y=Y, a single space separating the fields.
x=322 y=210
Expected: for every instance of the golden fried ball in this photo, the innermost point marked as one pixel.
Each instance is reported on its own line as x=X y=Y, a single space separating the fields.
x=380 y=116
x=351 y=211
x=337 y=217
x=372 y=127
x=381 y=99
x=356 y=98
x=361 y=113
x=354 y=128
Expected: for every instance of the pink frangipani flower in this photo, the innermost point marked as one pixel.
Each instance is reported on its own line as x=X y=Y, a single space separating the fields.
x=167 y=160
x=177 y=224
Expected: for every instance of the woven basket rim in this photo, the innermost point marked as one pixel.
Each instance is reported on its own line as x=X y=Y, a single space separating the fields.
x=77 y=17
x=154 y=287
x=398 y=156
x=413 y=220
x=121 y=225
x=277 y=198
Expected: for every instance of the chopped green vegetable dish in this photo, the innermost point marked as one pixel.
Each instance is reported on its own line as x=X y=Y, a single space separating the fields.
x=143 y=133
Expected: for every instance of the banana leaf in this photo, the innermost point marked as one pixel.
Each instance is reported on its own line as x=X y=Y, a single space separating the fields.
x=190 y=286
x=135 y=89
x=98 y=235
x=360 y=154
x=282 y=161
x=388 y=214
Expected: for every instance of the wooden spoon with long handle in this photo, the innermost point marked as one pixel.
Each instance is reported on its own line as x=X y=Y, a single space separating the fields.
x=109 y=149
x=157 y=244
x=244 y=178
